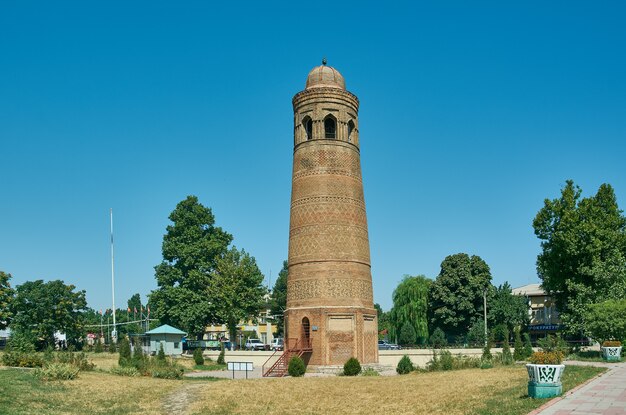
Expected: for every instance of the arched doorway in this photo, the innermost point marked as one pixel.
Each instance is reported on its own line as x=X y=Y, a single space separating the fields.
x=306 y=332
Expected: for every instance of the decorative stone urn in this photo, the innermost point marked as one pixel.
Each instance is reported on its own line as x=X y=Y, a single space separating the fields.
x=612 y=354
x=545 y=380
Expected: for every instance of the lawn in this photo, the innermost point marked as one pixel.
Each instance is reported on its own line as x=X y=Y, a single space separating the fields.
x=501 y=390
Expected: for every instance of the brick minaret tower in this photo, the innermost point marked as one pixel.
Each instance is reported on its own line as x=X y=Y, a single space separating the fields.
x=330 y=308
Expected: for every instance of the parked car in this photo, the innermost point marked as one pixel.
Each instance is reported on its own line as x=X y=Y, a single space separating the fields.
x=254 y=344
x=383 y=345
x=277 y=344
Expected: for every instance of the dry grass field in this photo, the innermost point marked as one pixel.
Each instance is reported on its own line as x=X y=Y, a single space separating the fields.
x=501 y=390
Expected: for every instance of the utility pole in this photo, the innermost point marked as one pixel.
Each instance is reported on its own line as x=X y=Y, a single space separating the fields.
x=114 y=333
x=485 y=313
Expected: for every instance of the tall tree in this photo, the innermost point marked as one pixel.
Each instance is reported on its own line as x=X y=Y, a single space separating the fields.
x=134 y=303
x=384 y=322
x=507 y=309
x=42 y=308
x=410 y=306
x=583 y=251
x=278 y=301
x=236 y=288
x=192 y=246
x=6 y=297
x=456 y=296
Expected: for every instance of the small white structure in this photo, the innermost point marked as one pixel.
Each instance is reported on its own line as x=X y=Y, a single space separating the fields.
x=170 y=337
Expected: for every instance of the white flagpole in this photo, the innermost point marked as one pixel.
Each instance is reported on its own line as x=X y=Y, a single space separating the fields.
x=114 y=334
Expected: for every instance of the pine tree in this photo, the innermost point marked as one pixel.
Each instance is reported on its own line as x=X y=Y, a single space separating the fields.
x=519 y=353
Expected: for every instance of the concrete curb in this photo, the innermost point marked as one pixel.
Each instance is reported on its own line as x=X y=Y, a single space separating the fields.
x=568 y=393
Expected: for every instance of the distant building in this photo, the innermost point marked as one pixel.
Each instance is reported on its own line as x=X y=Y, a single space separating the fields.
x=263 y=326
x=544 y=317
x=170 y=337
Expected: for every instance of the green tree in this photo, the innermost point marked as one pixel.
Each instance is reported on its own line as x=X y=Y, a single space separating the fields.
x=507 y=358
x=519 y=352
x=583 y=251
x=410 y=306
x=278 y=300
x=134 y=303
x=191 y=247
x=42 y=308
x=456 y=296
x=6 y=297
x=384 y=322
x=407 y=334
x=506 y=309
x=607 y=320
x=236 y=288
x=125 y=356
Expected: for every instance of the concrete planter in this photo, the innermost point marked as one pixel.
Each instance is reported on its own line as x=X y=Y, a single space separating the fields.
x=612 y=354
x=544 y=380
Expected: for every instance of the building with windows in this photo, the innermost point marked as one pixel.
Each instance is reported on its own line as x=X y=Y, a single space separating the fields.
x=544 y=317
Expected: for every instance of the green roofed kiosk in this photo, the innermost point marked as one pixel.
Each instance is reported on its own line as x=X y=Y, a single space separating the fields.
x=170 y=337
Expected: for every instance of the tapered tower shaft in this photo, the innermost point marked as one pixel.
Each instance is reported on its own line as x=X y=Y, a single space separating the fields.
x=329 y=290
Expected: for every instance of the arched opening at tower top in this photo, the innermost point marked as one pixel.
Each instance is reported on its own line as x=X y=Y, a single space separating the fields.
x=350 y=130
x=308 y=127
x=330 y=127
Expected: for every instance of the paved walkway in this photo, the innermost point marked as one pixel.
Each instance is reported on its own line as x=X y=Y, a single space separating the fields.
x=604 y=395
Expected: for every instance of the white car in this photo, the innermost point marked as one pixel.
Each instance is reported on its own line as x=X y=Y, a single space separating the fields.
x=254 y=344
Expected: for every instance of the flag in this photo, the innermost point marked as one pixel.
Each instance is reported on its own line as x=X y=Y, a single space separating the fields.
x=148 y=309
x=129 y=309
x=135 y=310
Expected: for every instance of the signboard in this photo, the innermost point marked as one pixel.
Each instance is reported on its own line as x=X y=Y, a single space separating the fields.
x=545 y=327
x=240 y=366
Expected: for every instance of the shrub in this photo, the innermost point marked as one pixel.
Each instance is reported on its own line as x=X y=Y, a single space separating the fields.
x=507 y=359
x=296 y=367
x=167 y=372
x=611 y=343
x=98 y=348
x=407 y=334
x=546 y=358
x=19 y=359
x=125 y=371
x=476 y=334
x=487 y=357
x=438 y=339
x=369 y=371
x=404 y=366
x=197 y=356
x=124 y=359
x=553 y=344
x=518 y=346
x=528 y=347
x=57 y=371
x=446 y=362
x=112 y=348
x=220 y=358
x=20 y=342
x=352 y=367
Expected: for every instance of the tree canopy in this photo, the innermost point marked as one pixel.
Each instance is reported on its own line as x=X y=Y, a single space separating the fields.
x=410 y=305
x=583 y=257
x=201 y=281
x=6 y=297
x=236 y=288
x=42 y=308
x=607 y=320
x=278 y=300
x=506 y=309
x=191 y=248
x=456 y=295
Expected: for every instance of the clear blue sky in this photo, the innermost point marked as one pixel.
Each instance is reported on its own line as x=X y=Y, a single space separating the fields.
x=471 y=114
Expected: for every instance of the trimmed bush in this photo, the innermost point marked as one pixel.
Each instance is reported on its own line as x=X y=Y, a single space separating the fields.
x=220 y=358
x=528 y=347
x=438 y=339
x=487 y=357
x=161 y=354
x=19 y=359
x=125 y=371
x=98 y=348
x=57 y=371
x=404 y=366
x=519 y=352
x=124 y=359
x=197 y=356
x=296 y=367
x=507 y=358
x=112 y=348
x=352 y=367
x=407 y=334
